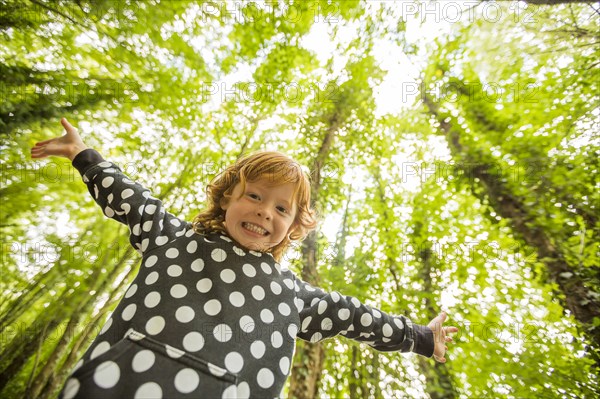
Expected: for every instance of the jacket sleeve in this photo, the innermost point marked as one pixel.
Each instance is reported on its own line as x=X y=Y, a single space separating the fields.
x=128 y=202
x=324 y=315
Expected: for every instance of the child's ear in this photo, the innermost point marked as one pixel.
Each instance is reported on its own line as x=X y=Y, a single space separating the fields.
x=224 y=203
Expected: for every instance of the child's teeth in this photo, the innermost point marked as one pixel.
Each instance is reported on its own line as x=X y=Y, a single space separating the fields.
x=255 y=229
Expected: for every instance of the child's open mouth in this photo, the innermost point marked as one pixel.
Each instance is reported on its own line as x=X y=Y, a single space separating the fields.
x=255 y=229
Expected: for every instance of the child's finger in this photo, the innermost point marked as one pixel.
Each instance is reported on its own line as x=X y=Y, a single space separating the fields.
x=442 y=317
x=38 y=154
x=438 y=321
x=39 y=143
x=68 y=127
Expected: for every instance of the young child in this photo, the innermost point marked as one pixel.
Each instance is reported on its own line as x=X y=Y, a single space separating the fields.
x=211 y=313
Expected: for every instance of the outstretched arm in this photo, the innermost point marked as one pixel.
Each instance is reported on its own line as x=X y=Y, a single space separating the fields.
x=67 y=146
x=120 y=198
x=324 y=315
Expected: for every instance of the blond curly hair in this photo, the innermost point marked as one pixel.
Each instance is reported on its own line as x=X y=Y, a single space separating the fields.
x=278 y=169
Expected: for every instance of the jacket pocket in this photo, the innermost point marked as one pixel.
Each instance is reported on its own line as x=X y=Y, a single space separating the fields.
x=141 y=367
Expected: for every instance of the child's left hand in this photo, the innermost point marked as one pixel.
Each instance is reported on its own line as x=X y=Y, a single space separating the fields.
x=440 y=336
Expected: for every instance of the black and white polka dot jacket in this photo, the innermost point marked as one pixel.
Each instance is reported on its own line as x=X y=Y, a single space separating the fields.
x=205 y=317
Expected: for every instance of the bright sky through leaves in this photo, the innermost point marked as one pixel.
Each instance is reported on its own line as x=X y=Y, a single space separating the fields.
x=463 y=158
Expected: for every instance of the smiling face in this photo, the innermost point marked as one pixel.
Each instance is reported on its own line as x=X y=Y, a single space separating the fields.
x=260 y=215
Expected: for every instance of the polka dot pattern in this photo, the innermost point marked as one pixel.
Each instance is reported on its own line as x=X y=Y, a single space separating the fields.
x=152 y=299
x=178 y=291
x=143 y=361
x=227 y=276
x=193 y=341
x=284 y=365
x=237 y=299
x=234 y=362
x=71 y=388
x=151 y=278
x=197 y=265
x=218 y=255
x=107 y=374
x=129 y=312
x=247 y=324
x=212 y=307
x=202 y=309
x=107 y=326
x=222 y=333
x=266 y=316
x=258 y=293
x=155 y=325
x=151 y=261
x=174 y=271
x=249 y=270
x=185 y=314
x=101 y=348
x=204 y=285
x=187 y=380
x=276 y=339
x=257 y=348
x=148 y=390
x=265 y=378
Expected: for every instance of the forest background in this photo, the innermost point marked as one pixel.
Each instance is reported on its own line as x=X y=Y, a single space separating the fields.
x=453 y=147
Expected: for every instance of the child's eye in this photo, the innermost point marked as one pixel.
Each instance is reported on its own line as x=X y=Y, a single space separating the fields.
x=282 y=209
x=253 y=196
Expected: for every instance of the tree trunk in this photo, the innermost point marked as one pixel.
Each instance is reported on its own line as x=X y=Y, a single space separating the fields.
x=374 y=377
x=309 y=360
x=437 y=375
x=438 y=379
x=16 y=307
x=26 y=344
x=309 y=357
x=354 y=374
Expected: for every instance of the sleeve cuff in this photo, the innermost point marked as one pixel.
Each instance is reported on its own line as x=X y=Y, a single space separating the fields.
x=423 y=340
x=86 y=159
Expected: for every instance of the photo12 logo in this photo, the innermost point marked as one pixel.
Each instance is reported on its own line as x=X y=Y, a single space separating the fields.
x=467 y=11
x=458 y=91
x=73 y=92
x=257 y=92
x=273 y=12
x=442 y=171
x=36 y=256
x=119 y=12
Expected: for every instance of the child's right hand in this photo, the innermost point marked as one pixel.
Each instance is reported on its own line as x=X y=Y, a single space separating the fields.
x=67 y=146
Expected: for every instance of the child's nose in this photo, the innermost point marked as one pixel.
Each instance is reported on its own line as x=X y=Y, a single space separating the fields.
x=263 y=213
